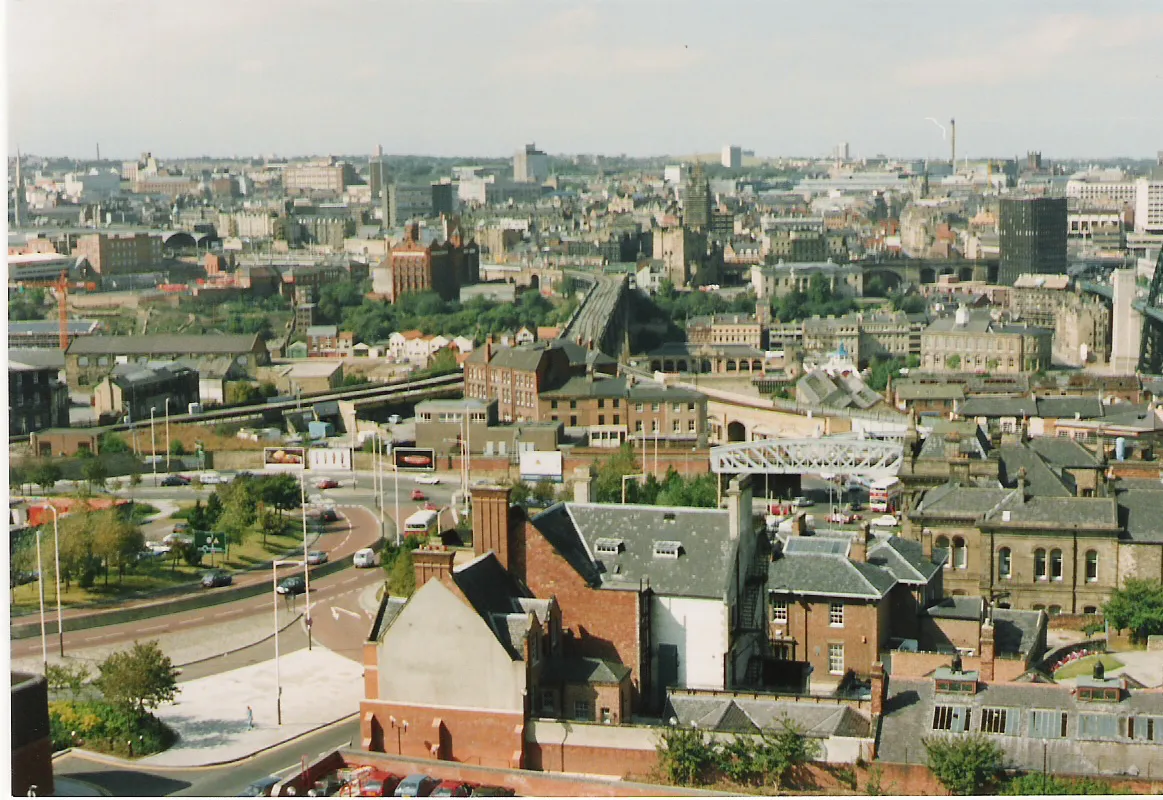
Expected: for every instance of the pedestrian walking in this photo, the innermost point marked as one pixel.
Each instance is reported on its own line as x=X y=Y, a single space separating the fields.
x=249 y=717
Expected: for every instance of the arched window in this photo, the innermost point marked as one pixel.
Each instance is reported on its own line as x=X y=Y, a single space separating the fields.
x=1056 y=564
x=1039 y=607
x=1054 y=610
x=1091 y=566
x=1090 y=609
x=1004 y=563
x=960 y=558
x=942 y=544
x=1040 y=564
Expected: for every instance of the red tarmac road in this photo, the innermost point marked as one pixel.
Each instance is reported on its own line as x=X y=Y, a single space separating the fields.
x=340 y=542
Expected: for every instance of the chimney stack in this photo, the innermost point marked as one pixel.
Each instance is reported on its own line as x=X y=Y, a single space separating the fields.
x=927 y=544
x=879 y=689
x=581 y=485
x=431 y=564
x=490 y=522
x=739 y=507
x=988 y=651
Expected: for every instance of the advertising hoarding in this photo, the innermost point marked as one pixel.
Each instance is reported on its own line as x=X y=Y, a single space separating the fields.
x=284 y=458
x=541 y=466
x=329 y=458
x=414 y=458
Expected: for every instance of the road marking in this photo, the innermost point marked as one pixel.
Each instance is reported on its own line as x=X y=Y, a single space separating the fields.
x=152 y=628
x=335 y=611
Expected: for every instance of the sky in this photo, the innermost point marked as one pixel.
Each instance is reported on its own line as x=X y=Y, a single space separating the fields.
x=639 y=77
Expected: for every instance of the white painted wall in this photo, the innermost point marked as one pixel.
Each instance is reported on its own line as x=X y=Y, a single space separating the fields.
x=699 y=629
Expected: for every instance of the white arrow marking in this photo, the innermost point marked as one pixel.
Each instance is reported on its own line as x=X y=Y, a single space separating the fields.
x=336 y=609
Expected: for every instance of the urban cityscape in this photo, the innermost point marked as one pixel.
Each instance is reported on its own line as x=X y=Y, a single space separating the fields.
x=769 y=406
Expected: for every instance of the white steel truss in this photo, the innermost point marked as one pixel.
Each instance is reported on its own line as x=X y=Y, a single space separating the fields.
x=842 y=455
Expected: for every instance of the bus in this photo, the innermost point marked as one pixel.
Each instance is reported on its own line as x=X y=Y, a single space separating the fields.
x=423 y=524
x=884 y=495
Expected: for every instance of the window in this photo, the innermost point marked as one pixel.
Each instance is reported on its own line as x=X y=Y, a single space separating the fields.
x=942 y=544
x=1091 y=566
x=553 y=404
x=836 y=658
x=601 y=419
x=581 y=709
x=601 y=402
x=638 y=426
x=573 y=420
x=691 y=428
x=1047 y=724
x=615 y=402
x=951 y=718
x=690 y=406
x=607 y=718
x=960 y=558
x=654 y=426
x=1145 y=729
x=1054 y=610
x=617 y=419
x=779 y=611
x=999 y=720
x=654 y=407
x=638 y=407
x=1039 y=564
x=548 y=706
x=676 y=426
x=836 y=615
x=1098 y=726
x=1004 y=563
x=1056 y=564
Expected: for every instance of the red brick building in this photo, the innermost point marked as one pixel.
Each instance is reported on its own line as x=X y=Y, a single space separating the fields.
x=440 y=266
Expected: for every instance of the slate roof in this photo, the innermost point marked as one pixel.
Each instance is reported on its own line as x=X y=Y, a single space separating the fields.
x=960 y=502
x=587 y=386
x=164 y=343
x=1017 y=632
x=929 y=391
x=500 y=600
x=74 y=327
x=1041 y=479
x=903 y=559
x=973 y=442
x=999 y=407
x=1140 y=509
x=582 y=670
x=1061 y=512
x=817 y=569
x=1063 y=407
x=38 y=357
x=751 y=715
x=970 y=608
x=126 y=375
x=702 y=568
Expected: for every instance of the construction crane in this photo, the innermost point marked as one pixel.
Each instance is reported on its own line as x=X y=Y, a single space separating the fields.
x=61 y=285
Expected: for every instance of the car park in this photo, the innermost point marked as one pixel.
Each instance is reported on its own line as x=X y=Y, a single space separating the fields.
x=295 y=584
x=365 y=558
x=416 y=786
x=379 y=784
x=260 y=788
x=175 y=480
x=418 y=495
x=492 y=791
x=327 y=786
x=316 y=557
x=327 y=483
x=215 y=578
x=428 y=480
x=452 y=789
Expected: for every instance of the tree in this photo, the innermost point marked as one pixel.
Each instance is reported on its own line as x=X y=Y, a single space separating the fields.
x=111 y=442
x=139 y=679
x=953 y=361
x=177 y=448
x=281 y=491
x=45 y=473
x=1043 y=784
x=95 y=473
x=239 y=393
x=696 y=491
x=965 y=765
x=519 y=493
x=116 y=541
x=1137 y=607
x=543 y=492
x=268 y=523
x=608 y=484
x=17 y=477
x=402 y=577
x=687 y=755
x=67 y=677
x=782 y=753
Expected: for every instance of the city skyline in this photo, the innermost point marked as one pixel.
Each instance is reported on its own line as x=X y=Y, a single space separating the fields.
x=453 y=79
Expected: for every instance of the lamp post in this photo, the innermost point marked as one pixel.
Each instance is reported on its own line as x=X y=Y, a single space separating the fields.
x=396 y=475
x=152 y=446
x=306 y=566
x=167 y=435
x=56 y=536
x=275 y=609
x=40 y=582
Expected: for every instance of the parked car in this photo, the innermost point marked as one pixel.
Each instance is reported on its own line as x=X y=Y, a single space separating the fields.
x=159 y=548
x=380 y=784
x=452 y=789
x=416 y=786
x=492 y=791
x=427 y=480
x=803 y=502
x=327 y=483
x=175 y=480
x=316 y=557
x=327 y=786
x=175 y=539
x=211 y=478
x=365 y=558
x=260 y=788
x=886 y=521
x=418 y=495
x=295 y=584
x=215 y=578
x=839 y=518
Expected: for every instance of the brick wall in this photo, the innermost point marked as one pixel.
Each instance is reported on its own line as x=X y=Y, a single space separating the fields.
x=865 y=626
x=920 y=665
x=490 y=738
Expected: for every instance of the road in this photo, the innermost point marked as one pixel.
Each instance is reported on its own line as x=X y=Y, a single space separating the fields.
x=224 y=781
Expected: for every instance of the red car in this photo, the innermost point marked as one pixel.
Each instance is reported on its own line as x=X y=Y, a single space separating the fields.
x=452 y=789
x=418 y=495
x=327 y=483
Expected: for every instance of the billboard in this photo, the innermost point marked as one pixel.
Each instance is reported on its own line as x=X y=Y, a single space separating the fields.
x=327 y=458
x=284 y=458
x=414 y=458
x=541 y=466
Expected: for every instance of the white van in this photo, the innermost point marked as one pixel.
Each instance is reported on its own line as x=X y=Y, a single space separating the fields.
x=365 y=558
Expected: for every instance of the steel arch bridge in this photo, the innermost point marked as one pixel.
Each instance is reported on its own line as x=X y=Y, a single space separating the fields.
x=844 y=455
x=1151 y=343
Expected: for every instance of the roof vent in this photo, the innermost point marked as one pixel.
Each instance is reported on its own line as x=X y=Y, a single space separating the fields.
x=609 y=546
x=667 y=549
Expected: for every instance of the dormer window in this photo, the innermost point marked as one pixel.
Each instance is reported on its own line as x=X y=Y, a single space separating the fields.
x=667 y=549
x=609 y=547
x=668 y=516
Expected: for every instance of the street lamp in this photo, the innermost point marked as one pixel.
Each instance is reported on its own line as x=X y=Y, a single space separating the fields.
x=396 y=524
x=306 y=568
x=56 y=535
x=275 y=608
x=167 y=435
x=40 y=582
x=153 y=445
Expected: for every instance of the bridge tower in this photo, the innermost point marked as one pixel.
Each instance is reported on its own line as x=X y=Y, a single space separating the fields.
x=1151 y=343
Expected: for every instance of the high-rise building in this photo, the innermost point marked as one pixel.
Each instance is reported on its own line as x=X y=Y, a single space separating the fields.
x=732 y=156
x=697 y=200
x=1032 y=237
x=530 y=165
x=1148 y=206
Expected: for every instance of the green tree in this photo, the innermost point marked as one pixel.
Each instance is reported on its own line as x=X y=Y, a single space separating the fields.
x=45 y=473
x=519 y=493
x=881 y=370
x=687 y=755
x=281 y=491
x=116 y=541
x=953 y=361
x=543 y=492
x=269 y=523
x=95 y=473
x=1138 y=607
x=965 y=765
x=177 y=448
x=139 y=679
x=695 y=491
x=913 y=361
x=239 y=393
x=608 y=483
x=402 y=577
x=780 y=754
x=111 y=442
x=1042 y=784
x=17 y=477
x=69 y=678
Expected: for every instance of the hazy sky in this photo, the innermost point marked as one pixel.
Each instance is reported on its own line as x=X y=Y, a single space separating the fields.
x=247 y=77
